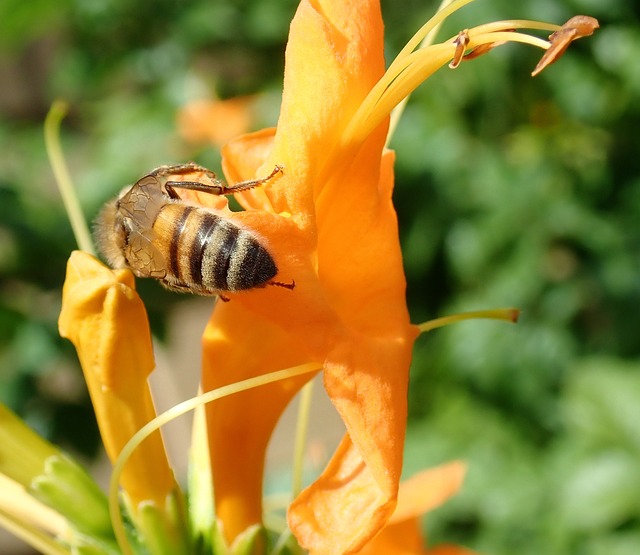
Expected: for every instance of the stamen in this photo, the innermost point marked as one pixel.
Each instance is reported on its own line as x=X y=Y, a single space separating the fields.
x=513 y=25
x=393 y=86
x=428 y=39
x=411 y=67
x=443 y=12
x=577 y=27
x=461 y=42
x=481 y=50
x=507 y=314
x=408 y=71
x=368 y=104
x=302 y=429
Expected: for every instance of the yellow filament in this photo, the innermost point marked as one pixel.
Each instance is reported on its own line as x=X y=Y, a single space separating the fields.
x=397 y=112
x=506 y=314
x=302 y=427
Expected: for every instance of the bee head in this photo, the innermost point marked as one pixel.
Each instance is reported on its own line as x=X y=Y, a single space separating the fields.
x=110 y=234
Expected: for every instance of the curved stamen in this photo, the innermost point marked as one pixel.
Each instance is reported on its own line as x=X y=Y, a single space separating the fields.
x=406 y=74
x=506 y=314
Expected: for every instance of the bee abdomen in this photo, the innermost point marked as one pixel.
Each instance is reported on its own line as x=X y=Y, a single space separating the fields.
x=224 y=257
x=250 y=265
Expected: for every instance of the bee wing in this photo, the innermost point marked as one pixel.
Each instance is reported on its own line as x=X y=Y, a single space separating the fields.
x=139 y=207
x=144 y=256
x=142 y=202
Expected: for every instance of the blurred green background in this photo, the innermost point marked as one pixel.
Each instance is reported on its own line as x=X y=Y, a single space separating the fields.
x=511 y=191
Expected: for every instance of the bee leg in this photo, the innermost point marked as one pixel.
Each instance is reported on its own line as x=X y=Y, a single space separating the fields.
x=213 y=189
x=250 y=184
x=217 y=187
x=182 y=169
x=290 y=286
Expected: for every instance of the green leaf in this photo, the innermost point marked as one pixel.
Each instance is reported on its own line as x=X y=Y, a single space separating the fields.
x=603 y=403
x=602 y=492
x=66 y=487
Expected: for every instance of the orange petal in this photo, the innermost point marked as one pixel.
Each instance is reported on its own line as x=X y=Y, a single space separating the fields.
x=105 y=319
x=359 y=246
x=419 y=494
x=345 y=42
x=428 y=490
x=242 y=159
x=239 y=345
x=354 y=318
x=343 y=509
x=403 y=538
x=366 y=372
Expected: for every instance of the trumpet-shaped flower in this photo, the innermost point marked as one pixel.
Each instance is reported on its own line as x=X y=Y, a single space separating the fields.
x=117 y=361
x=331 y=226
x=105 y=319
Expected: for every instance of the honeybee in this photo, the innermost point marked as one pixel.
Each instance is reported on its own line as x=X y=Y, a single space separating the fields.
x=155 y=233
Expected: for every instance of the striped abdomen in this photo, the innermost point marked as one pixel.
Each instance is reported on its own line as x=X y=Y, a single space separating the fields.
x=206 y=253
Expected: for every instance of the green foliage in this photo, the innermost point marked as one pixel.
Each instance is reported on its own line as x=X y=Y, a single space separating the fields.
x=515 y=191
x=511 y=191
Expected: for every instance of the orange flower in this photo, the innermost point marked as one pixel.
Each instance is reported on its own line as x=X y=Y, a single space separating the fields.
x=105 y=319
x=332 y=228
x=419 y=494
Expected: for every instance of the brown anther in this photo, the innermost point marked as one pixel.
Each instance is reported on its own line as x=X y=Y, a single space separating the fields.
x=482 y=49
x=577 y=27
x=461 y=42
